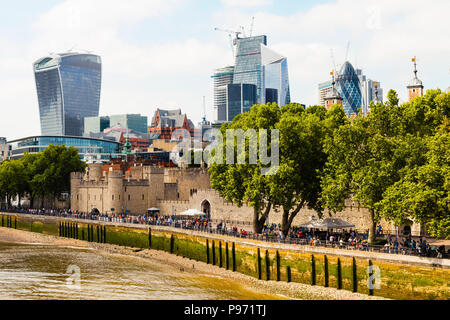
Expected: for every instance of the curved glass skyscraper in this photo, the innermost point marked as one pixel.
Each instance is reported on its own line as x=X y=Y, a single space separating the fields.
x=348 y=85
x=68 y=88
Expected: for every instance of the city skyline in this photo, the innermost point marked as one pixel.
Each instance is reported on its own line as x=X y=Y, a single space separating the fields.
x=148 y=63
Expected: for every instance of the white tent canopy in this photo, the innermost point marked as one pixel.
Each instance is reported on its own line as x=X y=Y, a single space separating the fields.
x=191 y=213
x=328 y=223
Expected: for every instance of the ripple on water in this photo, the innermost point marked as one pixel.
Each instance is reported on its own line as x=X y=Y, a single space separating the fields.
x=39 y=272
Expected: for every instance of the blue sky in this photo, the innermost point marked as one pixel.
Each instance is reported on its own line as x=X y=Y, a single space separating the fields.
x=161 y=53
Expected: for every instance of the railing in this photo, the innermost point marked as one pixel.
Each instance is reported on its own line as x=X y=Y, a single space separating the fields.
x=361 y=246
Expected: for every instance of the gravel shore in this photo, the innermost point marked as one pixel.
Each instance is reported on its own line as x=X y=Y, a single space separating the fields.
x=180 y=264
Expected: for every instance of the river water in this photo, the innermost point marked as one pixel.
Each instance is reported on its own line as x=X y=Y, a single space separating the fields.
x=33 y=271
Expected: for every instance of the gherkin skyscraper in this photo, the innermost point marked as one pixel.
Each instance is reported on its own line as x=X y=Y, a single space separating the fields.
x=68 y=88
x=348 y=85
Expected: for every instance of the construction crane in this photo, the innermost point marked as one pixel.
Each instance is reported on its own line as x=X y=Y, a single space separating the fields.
x=346 y=53
x=251 y=26
x=232 y=41
x=332 y=59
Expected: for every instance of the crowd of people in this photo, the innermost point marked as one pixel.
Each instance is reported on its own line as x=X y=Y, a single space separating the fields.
x=348 y=239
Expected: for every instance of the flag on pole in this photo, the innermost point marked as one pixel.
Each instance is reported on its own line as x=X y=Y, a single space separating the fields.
x=414 y=59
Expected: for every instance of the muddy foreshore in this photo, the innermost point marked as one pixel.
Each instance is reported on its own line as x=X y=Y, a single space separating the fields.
x=180 y=264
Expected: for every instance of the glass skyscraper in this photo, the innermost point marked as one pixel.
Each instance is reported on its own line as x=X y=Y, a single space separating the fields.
x=240 y=99
x=248 y=63
x=222 y=77
x=274 y=76
x=349 y=87
x=68 y=88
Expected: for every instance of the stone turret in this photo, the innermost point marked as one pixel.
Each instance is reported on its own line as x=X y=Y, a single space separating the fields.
x=114 y=195
x=75 y=182
x=415 y=86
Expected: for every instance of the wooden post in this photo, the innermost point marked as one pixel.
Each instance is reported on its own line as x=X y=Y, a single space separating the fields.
x=220 y=254
x=104 y=234
x=259 y=264
x=227 y=260
x=370 y=278
x=325 y=262
x=172 y=242
x=149 y=237
x=288 y=274
x=76 y=230
x=213 y=249
x=2 y=221
x=207 y=251
x=98 y=233
x=15 y=222
x=339 y=274
x=278 y=266
x=313 y=270
x=267 y=265
x=92 y=233
x=82 y=234
x=233 y=254
x=355 y=276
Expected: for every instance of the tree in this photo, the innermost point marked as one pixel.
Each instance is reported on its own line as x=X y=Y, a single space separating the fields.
x=52 y=170
x=376 y=160
x=239 y=183
x=302 y=159
x=422 y=193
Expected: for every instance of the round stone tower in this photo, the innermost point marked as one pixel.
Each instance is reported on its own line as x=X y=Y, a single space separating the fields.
x=114 y=195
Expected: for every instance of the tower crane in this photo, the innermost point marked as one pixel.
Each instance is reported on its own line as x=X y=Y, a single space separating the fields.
x=251 y=26
x=232 y=41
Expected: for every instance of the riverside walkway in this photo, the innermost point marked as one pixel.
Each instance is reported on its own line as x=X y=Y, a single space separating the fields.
x=369 y=252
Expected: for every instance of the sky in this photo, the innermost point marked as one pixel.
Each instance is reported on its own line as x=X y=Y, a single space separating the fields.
x=162 y=53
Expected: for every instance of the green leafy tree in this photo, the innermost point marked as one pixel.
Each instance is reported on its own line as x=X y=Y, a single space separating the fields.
x=52 y=170
x=244 y=183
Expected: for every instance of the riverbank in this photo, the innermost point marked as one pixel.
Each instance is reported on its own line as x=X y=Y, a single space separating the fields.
x=283 y=290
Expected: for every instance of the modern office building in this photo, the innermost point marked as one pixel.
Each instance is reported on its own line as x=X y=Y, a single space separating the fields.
x=349 y=87
x=95 y=125
x=274 y=73
x=94 y=150
x=248 y=65
x=324 y=89
x=68 y=89
x=222 y=77
x=135 y=122
x=240 y=98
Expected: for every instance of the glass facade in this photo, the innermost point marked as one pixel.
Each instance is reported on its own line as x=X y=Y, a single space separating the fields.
x=240 y=99
x=136 y=122
x=349 y=87
x=248 y=63
x=275 y=75
x=95 y=124
x=68 y=88
x=222 y=77
x=86 y=146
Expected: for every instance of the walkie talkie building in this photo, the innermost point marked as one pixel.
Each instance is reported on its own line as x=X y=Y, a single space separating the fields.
x=68 y=89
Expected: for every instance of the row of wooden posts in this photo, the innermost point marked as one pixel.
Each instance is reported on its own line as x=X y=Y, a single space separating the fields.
x=9 y=222
x=70 y=230
x=278 y=267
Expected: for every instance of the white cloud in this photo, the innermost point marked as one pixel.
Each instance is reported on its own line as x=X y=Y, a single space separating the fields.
x=384 y=35
x=138 y=77
x=246 y=3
